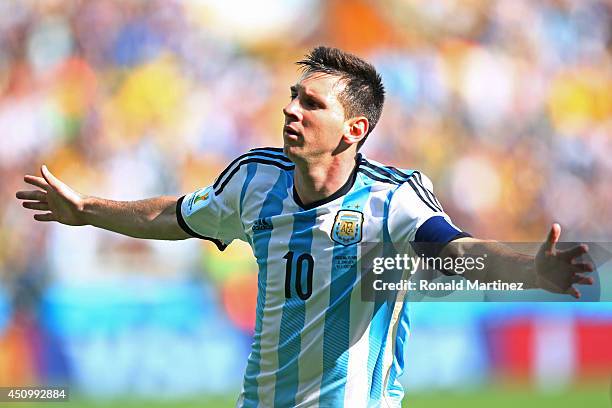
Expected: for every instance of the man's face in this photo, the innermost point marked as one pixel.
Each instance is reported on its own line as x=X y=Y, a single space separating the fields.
x=314 y=118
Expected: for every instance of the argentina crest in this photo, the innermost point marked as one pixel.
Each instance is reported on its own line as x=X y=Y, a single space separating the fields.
x=347 y=227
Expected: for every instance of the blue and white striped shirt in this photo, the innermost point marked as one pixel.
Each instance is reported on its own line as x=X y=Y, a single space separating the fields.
x=316 y=342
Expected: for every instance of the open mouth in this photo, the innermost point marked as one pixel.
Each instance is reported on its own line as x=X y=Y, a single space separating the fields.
x=290 y=131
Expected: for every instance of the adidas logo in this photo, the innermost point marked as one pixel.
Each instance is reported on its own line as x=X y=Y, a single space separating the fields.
x=261 y=225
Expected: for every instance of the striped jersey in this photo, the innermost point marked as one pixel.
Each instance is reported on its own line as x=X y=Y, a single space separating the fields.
x=316 y=342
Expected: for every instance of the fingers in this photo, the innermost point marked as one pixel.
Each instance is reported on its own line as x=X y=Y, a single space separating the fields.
x=582 y=280
x=45 y=217
x=33 y=195
x=573 y=292
x=570 y=254
x=38 y=202
x=34 y=205
x=552 y=239
x=36 y=181
x=578 y=280
x=583 y=267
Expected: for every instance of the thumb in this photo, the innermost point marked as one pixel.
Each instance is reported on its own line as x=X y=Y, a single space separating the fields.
x=552 y=238
x=50 y=178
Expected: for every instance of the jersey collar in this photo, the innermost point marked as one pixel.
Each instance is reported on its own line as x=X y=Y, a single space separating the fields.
x=341 y=191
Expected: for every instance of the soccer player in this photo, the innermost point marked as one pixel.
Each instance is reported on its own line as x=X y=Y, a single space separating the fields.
x=304 y=209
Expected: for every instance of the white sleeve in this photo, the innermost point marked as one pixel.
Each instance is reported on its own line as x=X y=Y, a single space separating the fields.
x=415 y=215
x=213 y=213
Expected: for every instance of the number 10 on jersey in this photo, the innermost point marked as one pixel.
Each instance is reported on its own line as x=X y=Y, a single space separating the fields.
x=304 y=263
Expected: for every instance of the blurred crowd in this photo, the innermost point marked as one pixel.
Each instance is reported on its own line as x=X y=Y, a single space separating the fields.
x=505 y=105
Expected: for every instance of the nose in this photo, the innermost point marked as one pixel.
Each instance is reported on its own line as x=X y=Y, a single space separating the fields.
x=292 y=111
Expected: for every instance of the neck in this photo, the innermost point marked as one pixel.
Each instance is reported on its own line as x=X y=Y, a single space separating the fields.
x=318 y=179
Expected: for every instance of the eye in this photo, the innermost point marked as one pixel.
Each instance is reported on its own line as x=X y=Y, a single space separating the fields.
x=309 y=103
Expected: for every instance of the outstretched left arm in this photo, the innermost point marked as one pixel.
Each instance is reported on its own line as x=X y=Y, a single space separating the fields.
x=551 y=269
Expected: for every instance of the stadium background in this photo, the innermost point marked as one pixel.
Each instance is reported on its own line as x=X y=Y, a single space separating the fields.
x=506 y=105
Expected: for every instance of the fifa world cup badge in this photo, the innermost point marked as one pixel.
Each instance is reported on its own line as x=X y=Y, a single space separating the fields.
x=347 y=227
x=199 y=199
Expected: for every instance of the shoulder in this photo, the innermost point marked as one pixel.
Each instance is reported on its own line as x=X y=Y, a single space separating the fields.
x=272 y=156
x=383 y=173
x=409 y=187
x=266 y=157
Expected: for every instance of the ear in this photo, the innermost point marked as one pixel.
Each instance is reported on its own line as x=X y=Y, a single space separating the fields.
x=355 y=129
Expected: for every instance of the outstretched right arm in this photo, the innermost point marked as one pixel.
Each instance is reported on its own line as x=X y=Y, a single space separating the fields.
x=154 y=218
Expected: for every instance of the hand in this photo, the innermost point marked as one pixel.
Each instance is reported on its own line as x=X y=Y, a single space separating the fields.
x=62 y=203
x=558 y=271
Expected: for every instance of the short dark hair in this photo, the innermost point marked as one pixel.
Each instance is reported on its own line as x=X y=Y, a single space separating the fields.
x=364 y=93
